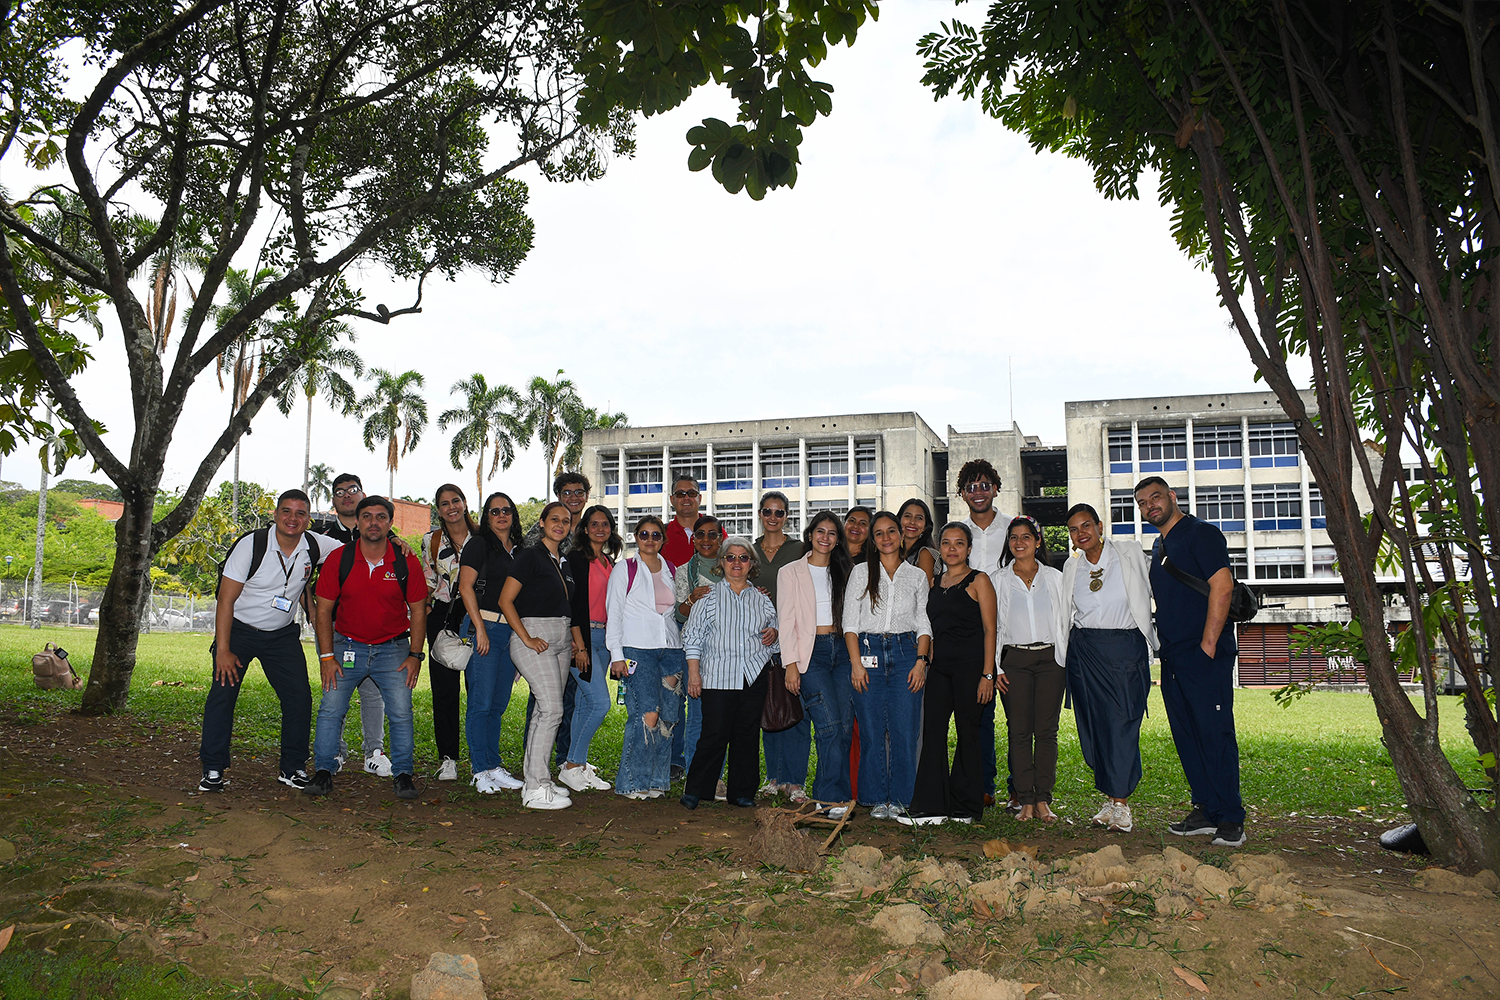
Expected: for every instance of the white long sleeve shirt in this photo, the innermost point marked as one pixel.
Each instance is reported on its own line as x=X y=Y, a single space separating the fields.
x=633 y=618
x=902 y=606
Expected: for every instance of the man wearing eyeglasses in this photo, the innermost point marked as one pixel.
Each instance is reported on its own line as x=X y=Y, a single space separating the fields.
x=686 y=500
x=572 y=491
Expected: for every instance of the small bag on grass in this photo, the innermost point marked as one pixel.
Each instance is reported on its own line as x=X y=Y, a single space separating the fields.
x=50 y=669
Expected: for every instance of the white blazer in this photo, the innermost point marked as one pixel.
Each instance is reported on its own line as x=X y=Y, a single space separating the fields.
x=633 y=619
x=1046 y=577
x=1136 y=573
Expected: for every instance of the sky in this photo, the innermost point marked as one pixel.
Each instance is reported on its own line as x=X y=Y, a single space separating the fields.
x=924 y=249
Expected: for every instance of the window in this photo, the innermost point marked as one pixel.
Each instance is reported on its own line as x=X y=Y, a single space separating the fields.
x=736 y=518
x=1325 y=561
x=1223 y=506
x=1279 y=564
x=1315 y=510
x=1121 y=512
x=609 y=468
x=1120 y=457
x=692 y=463
x=643 y=472
x=779 y=469
x=839 y=507
x=1239 y=566
x=1277 y=507
x=828 y=465
x=1162 y=449
x=1217 y=446
x=733 y=471
x=864 y=463
x=1273 y=445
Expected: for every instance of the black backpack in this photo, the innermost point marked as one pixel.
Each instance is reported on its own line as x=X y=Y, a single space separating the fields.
x=260 y=541
x=346 y=566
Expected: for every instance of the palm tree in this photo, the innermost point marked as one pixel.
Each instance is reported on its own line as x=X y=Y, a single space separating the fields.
x=320 y=483
x=243 y=357
x=583 y=419
x=319 y=375
x=488 y=416
x=395 y=412
x=546 y=412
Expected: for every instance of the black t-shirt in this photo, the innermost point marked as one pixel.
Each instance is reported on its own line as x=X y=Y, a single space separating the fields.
x=1198 y=549
x=546 y=584
x=489 y=559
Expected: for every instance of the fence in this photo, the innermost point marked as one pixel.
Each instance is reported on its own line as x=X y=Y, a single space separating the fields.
x=70 y=604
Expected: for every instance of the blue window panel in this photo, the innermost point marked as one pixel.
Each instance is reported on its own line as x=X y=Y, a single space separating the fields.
x=866 y=479
x=784 y=483
x=827 y=480
x=1122 y=529
x=645 y=487
x=1267 y=524
x=1261 y=462
x=1289 y=524
x=1285 y=461
x=1320 y=522
x=1230 y=525
x=1180 y=466
x=1151 y=466
x=1149 y=529
x=1205 y=463
x=1120 y=467
x=1230 y=463
x=734 y=484
x=612 y=491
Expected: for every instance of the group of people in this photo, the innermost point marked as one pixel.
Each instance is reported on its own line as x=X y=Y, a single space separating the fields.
x=885 y=626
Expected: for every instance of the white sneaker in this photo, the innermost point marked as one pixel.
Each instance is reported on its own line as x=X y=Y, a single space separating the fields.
x=378 y=764
x=638 y=796
x=837 y=812
x=906 y=819
x=880 y=810
x=559 y=790
x=655 y=793
x=576 y=778
x=1121 y=821
x=484 y=783
x=505 y=779
x=1105 y=814
x=448 y=770
x=544 y=797
x=596 y=782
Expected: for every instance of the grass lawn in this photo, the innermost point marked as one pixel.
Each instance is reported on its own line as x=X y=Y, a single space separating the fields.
x=1322 y=755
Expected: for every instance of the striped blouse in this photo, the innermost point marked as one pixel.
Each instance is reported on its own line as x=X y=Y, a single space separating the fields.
x=723 y=635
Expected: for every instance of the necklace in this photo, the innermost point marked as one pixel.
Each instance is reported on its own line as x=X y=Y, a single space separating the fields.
x=1096 y=579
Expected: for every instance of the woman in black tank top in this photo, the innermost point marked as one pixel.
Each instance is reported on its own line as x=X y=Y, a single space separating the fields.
x=960 y=682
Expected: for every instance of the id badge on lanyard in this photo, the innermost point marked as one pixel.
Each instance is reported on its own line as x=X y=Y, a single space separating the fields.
x=869 y=660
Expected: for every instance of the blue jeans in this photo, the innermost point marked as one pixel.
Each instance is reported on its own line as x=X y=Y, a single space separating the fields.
x=490 y=679
x=828 y=700
x=382 y=664
x=787 y=752
x=645 y=755
x=890 y=721
x=592 y=702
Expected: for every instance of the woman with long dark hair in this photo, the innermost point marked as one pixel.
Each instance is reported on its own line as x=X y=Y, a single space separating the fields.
x=440 y=552
x=916 y=537
x=594 y=548
x=483 y=570
x=810 y=610
x=857 y=533
x=888 y=636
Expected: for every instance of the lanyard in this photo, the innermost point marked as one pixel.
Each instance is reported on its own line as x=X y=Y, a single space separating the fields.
x=286 y=582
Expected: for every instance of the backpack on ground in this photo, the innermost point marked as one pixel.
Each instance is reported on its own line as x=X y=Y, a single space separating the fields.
x=50 y=669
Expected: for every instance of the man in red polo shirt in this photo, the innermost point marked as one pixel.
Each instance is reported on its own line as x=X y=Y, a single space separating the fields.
x=376 y=599
x=678 y=547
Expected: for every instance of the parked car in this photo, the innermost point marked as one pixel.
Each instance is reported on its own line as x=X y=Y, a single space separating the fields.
x=93 y=616
x=172 y=618
x=203 y=621
x=10 y=608
x=65 y=612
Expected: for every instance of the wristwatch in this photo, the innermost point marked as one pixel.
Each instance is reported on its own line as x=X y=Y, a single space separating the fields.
x=417 y=655
x=988 y=677
x=923 y=657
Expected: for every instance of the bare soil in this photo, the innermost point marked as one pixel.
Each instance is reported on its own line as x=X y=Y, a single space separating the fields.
x=115 y=851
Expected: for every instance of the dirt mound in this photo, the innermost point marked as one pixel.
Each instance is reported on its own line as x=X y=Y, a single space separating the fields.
x=777 y=841
x=972 y=984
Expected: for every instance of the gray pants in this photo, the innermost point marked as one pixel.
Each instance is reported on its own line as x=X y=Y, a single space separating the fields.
x=547 y=675
x=371 y=718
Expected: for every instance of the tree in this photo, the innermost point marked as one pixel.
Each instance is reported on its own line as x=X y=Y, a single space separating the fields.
x=396 y=413
x=309 y=139
x=488 y=416
x=546 y=412
x=579 y=420
x=320 y=483
x=320 y=376
x=1337 y=167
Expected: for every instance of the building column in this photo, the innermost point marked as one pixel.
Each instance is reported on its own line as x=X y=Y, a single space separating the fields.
x=1192 y=476
x=624 y=489
x=802 y=481
x=1106 y=478
x=709 y=487
x=666 y=482
x=1135 y=477
x=755 y=482
x=1249 y=498
x=853 y=473
x=1307 y=536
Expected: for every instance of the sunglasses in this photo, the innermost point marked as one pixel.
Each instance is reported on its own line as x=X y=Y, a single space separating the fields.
x=680 y=494
x=499 y=511
x=979 y=488
x=705 y=535
x=349 y=491
x=574 y=493
x=650 y=536
x=741 y=558
x=772 y=512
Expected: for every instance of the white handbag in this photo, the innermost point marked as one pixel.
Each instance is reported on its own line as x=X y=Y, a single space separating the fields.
x=452 y=650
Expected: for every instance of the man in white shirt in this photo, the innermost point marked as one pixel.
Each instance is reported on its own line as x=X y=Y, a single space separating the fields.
x=260 y=587
x=978 y=484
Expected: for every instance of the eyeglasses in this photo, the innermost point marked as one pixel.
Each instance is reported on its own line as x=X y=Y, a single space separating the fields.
x=500 y=511
x=349 y=491
x=982 y=487
x=650 y=536
x=682 y=494
x=772 y=512
x=574 y=493
x=704 y=535
x=743 y=557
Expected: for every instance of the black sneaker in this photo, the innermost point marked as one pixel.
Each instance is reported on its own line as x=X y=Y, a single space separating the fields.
x=1230 y=835
x=321 y=783
x=296 y=779
x=1194 y=824
x=213 y=781
x=406 y=788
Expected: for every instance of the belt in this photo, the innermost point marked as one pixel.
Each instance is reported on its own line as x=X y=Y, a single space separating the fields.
x=888 y=635
x=598 y=625
x=490 y=616
x=1031 y=645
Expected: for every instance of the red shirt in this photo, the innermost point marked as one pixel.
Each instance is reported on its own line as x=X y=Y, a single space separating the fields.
x=677 y=549
x=371 y=607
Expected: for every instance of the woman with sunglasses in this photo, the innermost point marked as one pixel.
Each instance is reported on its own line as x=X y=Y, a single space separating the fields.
x=692 y=584
x=594 y=547
x=916 y=537
x=888 y=635
x=537 y=601
x=787 y=752
x=645 y=651
x=483 y=569
x=729 y=641
x=440 y=551
x=810 y=611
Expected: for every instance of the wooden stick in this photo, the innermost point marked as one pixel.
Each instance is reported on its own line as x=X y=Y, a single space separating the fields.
x=582 y=948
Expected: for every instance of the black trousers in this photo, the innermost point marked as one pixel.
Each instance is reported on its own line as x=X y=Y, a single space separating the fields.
x=446 y=719
x=281 y=657
x=731 y=721
x=1033 y=705
x=952 y=692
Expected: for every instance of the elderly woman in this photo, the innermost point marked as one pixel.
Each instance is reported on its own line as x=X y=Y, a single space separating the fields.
x=730 y=636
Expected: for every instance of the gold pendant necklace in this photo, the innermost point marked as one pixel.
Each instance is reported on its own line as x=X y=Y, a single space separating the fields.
x=1096 y=579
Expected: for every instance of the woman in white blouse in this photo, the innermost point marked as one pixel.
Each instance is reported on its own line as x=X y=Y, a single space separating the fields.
x=1106 y=638
x=645 y=652
x=888 y=635
x=1031 y=678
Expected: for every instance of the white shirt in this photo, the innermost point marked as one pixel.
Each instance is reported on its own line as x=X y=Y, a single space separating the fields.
x=989 y=543
x=823 y=591
x=1028 y=610
x=278 y=576
x=902 y=607
x=633 y=618
x=1108 y=607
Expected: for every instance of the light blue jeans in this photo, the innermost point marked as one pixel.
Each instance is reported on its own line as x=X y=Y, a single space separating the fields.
x=645 y=756
x=591 y=703
x=490 y=679
x=890 y=721
x=382 y=664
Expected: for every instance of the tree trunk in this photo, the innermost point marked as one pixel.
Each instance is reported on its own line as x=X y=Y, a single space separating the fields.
x=479 y=478
x=41 y=537
x=120 y=611
x=307 y=447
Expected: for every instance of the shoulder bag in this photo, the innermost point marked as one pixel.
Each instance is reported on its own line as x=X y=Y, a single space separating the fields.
x=782 y=709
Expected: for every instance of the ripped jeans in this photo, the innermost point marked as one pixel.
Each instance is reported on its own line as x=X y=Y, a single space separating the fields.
x=645 y=754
